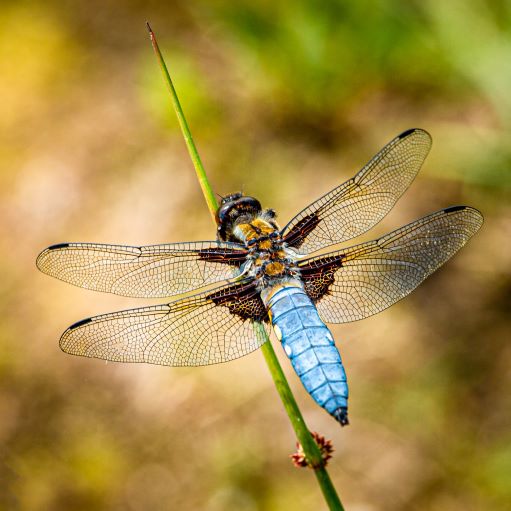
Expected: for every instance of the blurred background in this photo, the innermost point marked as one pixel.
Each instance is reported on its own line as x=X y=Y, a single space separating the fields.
x=285 y=100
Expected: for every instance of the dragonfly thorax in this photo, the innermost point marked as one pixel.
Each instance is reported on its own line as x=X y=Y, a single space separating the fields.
x=269 y=260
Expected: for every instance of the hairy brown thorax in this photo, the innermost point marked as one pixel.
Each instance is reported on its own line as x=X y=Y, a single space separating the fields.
x=241 y=219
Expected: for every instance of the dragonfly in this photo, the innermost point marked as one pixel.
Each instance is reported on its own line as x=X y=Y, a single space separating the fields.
x=256 y=277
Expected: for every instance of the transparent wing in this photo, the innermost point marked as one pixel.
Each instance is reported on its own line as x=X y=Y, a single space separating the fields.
x=206 y=328
x=358 y=204
x=352 y=284
x=153 y=271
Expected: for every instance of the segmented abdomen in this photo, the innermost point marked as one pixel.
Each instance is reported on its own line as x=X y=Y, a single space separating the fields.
x=311 y=348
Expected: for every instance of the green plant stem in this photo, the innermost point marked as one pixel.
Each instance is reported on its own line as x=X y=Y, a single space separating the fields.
x=309 y=446
x=190 y=144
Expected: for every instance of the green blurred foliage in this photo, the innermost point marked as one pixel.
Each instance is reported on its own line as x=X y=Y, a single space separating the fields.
x=285 y=99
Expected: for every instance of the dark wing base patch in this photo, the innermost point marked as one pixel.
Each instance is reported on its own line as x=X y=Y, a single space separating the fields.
x=299 y=232
x=223 y=255
x=242 y=300
x=319 y=274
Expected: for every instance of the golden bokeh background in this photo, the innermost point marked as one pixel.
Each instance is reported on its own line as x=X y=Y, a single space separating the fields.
x=285 y=100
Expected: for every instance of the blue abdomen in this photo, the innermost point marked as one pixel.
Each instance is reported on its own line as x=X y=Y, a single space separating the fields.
x=310 y=346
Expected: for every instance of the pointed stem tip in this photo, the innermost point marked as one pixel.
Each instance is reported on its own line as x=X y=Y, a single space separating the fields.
x=152 y=37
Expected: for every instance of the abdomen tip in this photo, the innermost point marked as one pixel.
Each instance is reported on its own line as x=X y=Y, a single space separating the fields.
x=341 y=416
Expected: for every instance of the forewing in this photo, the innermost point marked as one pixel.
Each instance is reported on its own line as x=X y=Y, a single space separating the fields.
x=360 y=281
x=153 y=271
x=204 y=329
x=358 y=204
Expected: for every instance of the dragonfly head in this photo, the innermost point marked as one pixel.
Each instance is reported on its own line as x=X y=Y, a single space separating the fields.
x=232 y=208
